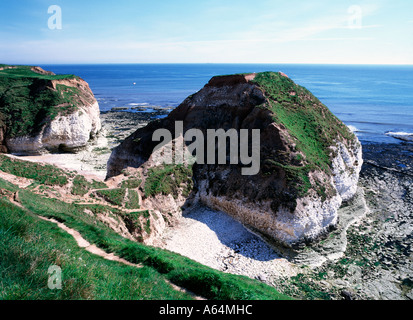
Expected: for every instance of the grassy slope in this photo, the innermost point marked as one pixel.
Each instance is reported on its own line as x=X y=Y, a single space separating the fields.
x=26 y=96
x=33 y=245
x=43 y=174
x=29 y=246
x=167 y=179
x=311 y=124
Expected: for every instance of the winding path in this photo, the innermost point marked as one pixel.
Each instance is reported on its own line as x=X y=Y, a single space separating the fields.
x=83 y=243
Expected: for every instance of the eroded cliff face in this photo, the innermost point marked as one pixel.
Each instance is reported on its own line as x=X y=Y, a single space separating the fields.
x=61 y=112
x=64 y=133
x=309 y=160
x=3 y=129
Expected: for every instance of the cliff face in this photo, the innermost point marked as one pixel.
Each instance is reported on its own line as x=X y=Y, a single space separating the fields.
x=46 y=112
x=3 y=129
x=309 y=162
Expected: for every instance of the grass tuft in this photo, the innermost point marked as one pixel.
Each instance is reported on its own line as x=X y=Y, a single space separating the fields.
x=169 y=179
x=81 y=186
x=43 y=174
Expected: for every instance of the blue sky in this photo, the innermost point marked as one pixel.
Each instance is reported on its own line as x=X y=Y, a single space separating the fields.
x=208 y=31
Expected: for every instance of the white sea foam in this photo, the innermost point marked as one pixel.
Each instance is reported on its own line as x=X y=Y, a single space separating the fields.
x=405 y=136
x=138 y=104
x=353 y=128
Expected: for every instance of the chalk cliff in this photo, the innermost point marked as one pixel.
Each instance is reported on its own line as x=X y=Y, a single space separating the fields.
x=44 y=112
x=309 y=161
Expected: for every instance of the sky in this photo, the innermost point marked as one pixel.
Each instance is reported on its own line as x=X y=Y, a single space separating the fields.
x=206 y=31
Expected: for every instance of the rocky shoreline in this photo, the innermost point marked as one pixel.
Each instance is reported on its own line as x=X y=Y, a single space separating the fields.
x=93 y=158
x=377 y=264
x=118 y=125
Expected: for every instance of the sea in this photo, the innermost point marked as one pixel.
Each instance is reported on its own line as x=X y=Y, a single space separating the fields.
x=375 y=102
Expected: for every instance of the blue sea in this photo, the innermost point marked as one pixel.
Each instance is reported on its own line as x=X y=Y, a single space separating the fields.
x=376 y=102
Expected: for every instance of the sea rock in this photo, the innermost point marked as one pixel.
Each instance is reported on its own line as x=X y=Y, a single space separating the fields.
x=59 y=112
x=309 y=161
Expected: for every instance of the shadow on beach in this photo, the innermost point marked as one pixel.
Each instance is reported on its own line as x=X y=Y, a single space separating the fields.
x=232 y=234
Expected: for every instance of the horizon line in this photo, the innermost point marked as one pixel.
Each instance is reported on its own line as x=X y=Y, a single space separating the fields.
x=207 y=63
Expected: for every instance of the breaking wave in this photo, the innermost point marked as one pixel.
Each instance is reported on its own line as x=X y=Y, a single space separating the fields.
x=405 y=136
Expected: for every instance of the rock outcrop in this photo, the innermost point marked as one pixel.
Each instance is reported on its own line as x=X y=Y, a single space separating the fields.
x=309 y=161
x=3 y=129
x=45 y=112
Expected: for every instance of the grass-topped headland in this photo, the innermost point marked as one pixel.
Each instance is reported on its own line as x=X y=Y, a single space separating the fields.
x=311 y=125
x=304 y=161
x=22 y=71
x=28 y=98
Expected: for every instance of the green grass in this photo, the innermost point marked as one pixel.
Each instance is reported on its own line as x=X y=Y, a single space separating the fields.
x=22 y=71
x=8 y=186
x=81 y=186
x=113 y=196
x=34 y=245
x=131 y=183
x=29 y=246
x=132 y=201
x=133 y=221
x=311 y=125
x=69 y=97
x=202 y=280
x=48 y=175
x=29 y=96
x=168 y=179
x=308 y=288
x=44 y=174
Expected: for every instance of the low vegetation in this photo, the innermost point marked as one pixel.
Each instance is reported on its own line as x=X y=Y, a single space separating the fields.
x=169 y=179
x=131 y=183
x=121 y=197
x=113 y=196
x=29 y=246
x=43 y=174
x=81 y=186
x=28 y=95
x=310 y=123
x=138 y=221
x=132 y=201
